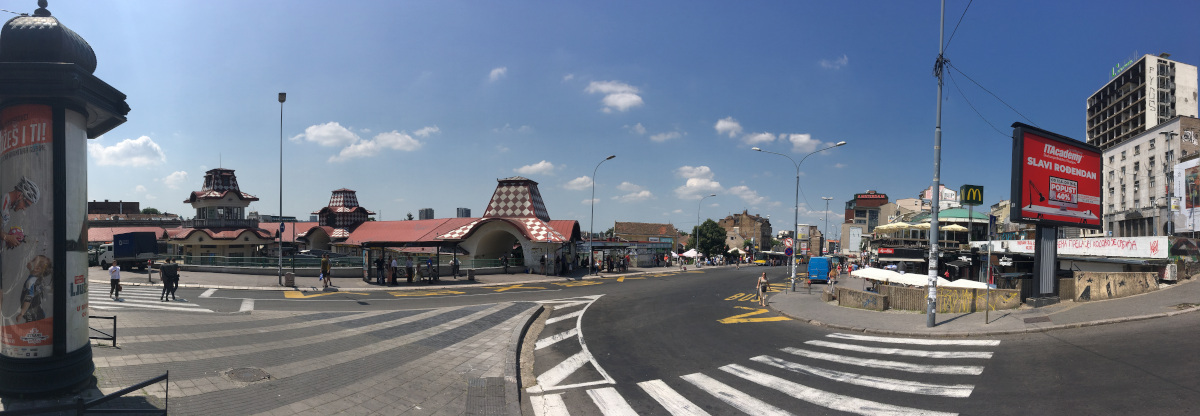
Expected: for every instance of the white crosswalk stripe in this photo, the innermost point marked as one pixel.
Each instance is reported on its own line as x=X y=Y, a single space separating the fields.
x=746 y=389
x=579 y=356
x=146 y=298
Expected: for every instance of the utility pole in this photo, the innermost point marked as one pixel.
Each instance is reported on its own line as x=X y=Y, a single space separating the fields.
x=939 y=66
x=824 y=233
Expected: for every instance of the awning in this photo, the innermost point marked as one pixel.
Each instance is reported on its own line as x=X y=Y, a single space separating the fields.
x=901 y=259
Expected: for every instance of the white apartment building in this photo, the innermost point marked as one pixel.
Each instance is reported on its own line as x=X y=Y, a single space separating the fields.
x=1145 y=93
x=1138 y=177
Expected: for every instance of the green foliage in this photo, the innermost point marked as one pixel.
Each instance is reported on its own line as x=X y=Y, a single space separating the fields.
x=712 y=239
x=152 y=211
x=408 y=217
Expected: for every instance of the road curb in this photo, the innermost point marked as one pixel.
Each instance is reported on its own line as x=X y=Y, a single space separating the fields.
x=513 y=387
x=967 y=334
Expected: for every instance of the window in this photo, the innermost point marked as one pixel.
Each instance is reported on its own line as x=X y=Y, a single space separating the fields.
x=1151 y=144
x=1137 y=150
x=860 y=213
x=1137 y=185
x=1111 y=174
x=1122 y=155
x=1110 y=160
x=1136 y=167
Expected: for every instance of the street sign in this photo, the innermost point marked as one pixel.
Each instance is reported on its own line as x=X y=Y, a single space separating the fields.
x=787 y=251
x=970 y=195
x=1006 y=261
x=787 y=242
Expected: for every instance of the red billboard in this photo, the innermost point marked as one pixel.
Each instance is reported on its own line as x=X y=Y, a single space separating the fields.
x=1056 y=179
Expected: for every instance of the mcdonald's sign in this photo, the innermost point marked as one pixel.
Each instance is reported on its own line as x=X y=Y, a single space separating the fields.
x=970 y=195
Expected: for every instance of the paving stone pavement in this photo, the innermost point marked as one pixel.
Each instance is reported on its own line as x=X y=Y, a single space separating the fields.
x=410 y=362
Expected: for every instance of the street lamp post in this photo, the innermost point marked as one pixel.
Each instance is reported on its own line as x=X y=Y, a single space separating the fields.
x=696 y=232
x=282 y=98
x=824 y=233
x=796 y=213
x=592 y=221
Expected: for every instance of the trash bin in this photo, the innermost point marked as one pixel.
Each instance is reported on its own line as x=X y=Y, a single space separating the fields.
x=471 y=275
x=289 y=279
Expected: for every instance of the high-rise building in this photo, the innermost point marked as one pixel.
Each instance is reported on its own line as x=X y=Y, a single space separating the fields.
x=425 y=214
x=464 y=213
x=1141 y=94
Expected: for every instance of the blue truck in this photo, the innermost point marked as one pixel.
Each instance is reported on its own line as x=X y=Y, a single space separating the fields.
x=129 y=250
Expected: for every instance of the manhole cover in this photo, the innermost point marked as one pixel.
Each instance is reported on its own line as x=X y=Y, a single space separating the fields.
x=1035 y=320
x=247 y=375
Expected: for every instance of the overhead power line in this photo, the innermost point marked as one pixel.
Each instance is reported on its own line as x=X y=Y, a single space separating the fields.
x=960 y=19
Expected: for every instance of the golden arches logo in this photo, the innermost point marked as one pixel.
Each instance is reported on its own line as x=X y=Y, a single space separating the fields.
x=971 y=195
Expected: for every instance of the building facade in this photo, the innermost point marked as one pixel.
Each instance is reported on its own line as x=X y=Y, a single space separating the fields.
x=425 y=214
x=1138 y=177
x=464 y=213
x=220 y=227
x=743 y=227
x=1144 y=93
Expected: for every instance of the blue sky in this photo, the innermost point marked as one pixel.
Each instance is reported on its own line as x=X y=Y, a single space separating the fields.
x=419 y=104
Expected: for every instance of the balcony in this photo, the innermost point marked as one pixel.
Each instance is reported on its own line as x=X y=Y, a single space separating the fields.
x=220 y=223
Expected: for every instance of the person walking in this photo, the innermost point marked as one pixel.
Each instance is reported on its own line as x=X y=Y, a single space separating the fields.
x=393 y=269
x=170 y=279
x=454 y=267
x=114 y=275
x=325 y=277
x=408 y=268
x=379 y=265
x=763 y=285
x=504 y=263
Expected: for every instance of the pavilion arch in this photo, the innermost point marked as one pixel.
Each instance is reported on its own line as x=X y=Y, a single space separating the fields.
x=318 y=239
x=494 y=238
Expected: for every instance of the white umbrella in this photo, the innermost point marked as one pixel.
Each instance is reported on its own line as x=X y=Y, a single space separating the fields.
x=690 y=253
x=963 y=283
x=921 y=226
x=885 y=275
x=735 y=251
x=954 y=227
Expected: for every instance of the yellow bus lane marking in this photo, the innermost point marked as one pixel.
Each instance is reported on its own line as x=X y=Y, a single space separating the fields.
x=578 y=283
x=623 y=278
x=499 y=289
x=745 y=317
x=659 y=274
x=427 y=293
x=292 y=294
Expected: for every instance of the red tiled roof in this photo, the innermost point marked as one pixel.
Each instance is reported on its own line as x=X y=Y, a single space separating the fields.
x=298 y=228
x=568 y=228
x=218 y=195
x=105 y=234
x=415 y=231
x=220 y=233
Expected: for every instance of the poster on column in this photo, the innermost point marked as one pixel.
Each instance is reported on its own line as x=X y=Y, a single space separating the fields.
x=26 y=263
x=1187 y=190
x=1055 y=180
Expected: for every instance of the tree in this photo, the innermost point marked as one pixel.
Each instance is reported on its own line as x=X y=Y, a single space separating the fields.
x=408 y=217
x=152 y=211
x=711 y=239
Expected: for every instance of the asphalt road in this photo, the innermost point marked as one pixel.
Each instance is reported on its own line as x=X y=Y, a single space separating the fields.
x=664 y=342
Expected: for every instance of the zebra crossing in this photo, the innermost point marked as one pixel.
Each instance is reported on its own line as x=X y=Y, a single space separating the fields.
x=849 y=373
x=566 y=336
x=137 y=297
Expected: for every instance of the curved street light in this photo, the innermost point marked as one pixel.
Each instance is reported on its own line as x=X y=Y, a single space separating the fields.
x=282 y=98
x=592 y=221
x=796 y=213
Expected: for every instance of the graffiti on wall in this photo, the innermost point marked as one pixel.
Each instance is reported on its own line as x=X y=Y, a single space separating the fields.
x=1098 y=286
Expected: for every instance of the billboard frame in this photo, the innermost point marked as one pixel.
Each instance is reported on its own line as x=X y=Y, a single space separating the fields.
x=1018 y=213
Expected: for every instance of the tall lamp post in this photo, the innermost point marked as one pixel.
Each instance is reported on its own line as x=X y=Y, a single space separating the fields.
x=796 y=213
x=823 y=233
x=282 y=98
x=696 y=232
x=592 y=221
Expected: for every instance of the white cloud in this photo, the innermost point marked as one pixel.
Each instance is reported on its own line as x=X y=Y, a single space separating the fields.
x=142 y=151
x=394 y=140
x=637 y=128
x=662 y=137
x=150 y=197
x=568 y=77
x=635 y=196
x=748 y=195
x=688 y=172
x=139 y=188
x=498 y=73
x=839 y=165
x=801 y=143
x=754 y=139
x=836 y=63
x=175 y=179
x=678 y=211
x=508 y=128
x=543 y=168
x=728 y=126
x=330 y=134
x=579 y=184
x=617 y=95
x=628 y=187
x=426 y=131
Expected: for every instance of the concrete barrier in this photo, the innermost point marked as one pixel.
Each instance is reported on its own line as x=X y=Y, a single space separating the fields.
x=951 y=300
x=1098 y=285
x=861 y=300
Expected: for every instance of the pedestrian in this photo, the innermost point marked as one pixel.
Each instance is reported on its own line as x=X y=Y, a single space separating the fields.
x=325 y=277
x=763 y=285
x=408 y=268
x=114 y=288
x=170 y=279
x=393 y=269
x=504 y=262
x=454 y=267
x=379 y=264
x=542 y=261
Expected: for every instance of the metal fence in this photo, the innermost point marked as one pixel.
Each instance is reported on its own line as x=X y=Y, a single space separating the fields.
x=105 y=336
x=82 y=407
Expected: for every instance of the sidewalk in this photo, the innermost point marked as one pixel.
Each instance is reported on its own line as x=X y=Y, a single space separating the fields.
x=96 y=276
x=1169 y=300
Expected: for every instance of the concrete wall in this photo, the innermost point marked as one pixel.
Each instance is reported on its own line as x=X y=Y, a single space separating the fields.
x=1097 y=286
x=862 y=300
x=951 y=300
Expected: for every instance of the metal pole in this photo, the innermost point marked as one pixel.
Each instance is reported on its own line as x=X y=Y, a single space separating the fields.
x=826 y=232
x=931 y=308
x=988 y=306
x=282 y=98
x=592 y=221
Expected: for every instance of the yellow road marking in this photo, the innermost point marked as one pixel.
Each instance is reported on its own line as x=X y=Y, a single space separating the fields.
x=622 y=278
x=659 y=274
x=579 y=283
x=516 y=286
x=744 y=318
x=292 y=294
x=427 y=293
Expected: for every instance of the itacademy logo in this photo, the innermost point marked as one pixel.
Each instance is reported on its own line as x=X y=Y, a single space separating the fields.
x=1066 y=154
